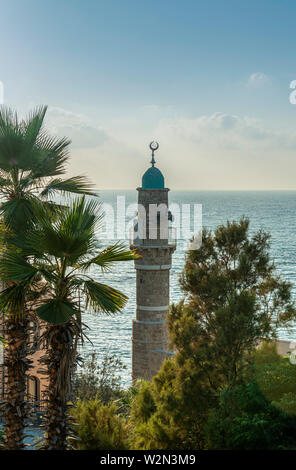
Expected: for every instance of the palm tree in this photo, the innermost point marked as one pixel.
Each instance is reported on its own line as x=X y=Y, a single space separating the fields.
x=31 y=165
x=62 y=254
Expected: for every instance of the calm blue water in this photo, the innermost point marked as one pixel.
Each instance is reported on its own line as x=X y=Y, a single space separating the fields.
x=275 y=212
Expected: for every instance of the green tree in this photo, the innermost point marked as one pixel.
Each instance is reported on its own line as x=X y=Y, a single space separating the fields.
x=31 y=165
x=98 y=427
x=170 y=412
x=234 y=299
x=60 y=255
x=246 y=420
x=276 y=378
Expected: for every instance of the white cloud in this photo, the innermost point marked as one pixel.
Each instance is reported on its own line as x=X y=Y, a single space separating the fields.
x=226 y=130
x=258 y=79
x=224 y=151
x=216 y=151
x=80 y=129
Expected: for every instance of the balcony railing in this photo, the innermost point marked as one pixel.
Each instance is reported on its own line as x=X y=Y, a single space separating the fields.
x=171 y=241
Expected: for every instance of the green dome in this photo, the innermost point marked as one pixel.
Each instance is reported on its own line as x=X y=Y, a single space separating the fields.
x=153 y=179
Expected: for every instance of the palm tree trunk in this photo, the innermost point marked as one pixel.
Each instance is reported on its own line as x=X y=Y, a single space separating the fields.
x=16 y=367
x=59 y=360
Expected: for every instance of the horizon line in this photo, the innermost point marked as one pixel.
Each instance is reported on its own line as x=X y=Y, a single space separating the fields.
x=205 y=190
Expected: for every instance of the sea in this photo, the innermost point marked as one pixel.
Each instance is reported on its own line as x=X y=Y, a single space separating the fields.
x=273 y=211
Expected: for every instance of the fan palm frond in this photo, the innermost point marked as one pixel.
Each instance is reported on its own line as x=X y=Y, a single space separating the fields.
x=56 y=311
x=103 y=298
x=17 y=213
x=111 y=254
x=76 y=184
x=12 y=300
x=14 y=267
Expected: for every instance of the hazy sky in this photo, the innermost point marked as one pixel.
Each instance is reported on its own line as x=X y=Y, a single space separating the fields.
x=208 y=79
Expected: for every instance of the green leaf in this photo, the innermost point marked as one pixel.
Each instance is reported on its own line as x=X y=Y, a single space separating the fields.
x=76 y=184
x=110 y=255
x=18 y=213
x=12 y=300
x=13 y=267
x=103 y=298
x=56 y=311
x=34 y=124
x=72 y=235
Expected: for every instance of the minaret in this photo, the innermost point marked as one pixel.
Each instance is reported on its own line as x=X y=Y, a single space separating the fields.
x=152 y=237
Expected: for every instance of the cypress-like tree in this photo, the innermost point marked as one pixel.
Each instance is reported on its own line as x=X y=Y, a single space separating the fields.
x=234 y=299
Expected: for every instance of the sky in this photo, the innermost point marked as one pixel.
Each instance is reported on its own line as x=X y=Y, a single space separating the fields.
x=209 y=80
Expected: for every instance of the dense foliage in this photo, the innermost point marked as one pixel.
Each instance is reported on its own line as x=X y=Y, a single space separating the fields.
x=59 y=256
x=260 y=414
x=215 y=393
x=234 y=299
x=170 y=412
x=98 y=426
x=245 y=419
x=49 y=250
x=276 y=378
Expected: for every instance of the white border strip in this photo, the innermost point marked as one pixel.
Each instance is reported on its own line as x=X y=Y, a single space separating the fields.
x=148 y=342
x=169 y=353
x=153 y=267
x=161 y=308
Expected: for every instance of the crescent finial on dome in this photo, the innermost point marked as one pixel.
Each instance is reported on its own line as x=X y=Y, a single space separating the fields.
x=153 y=178
x=153 y=146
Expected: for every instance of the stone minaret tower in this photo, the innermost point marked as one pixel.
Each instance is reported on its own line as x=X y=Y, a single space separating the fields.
x=152 y=237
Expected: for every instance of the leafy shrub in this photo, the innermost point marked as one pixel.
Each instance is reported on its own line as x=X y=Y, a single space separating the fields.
x=97 y=379
x=170 y=412
x=245 y=420
x=98 y=426
x=276 y=378
x=126 y=400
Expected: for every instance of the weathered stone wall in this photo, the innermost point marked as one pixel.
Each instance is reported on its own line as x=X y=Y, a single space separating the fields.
x=151 y=200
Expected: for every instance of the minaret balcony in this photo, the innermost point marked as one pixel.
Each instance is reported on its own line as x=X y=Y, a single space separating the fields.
x=170 y=242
